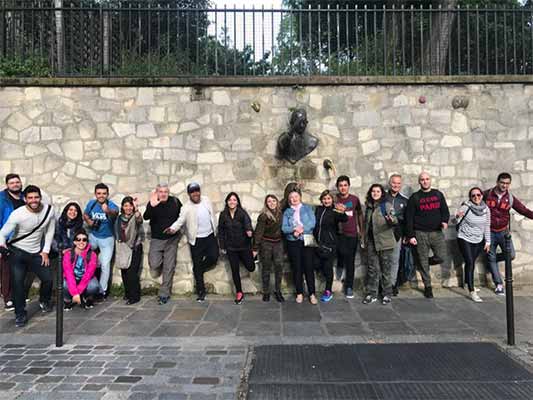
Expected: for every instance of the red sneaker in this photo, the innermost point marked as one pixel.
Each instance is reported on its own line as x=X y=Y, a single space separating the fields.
x=239 y=298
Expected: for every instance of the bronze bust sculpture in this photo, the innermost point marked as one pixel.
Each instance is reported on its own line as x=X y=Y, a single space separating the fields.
x=297 y=142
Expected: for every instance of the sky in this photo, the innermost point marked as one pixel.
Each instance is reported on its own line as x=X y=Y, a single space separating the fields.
x=270 y=20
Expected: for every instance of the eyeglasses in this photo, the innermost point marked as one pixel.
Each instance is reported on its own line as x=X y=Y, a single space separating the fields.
x=476 y=195
x=83 y=239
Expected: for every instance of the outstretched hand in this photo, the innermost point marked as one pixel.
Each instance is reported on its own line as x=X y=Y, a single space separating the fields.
x=154 y=199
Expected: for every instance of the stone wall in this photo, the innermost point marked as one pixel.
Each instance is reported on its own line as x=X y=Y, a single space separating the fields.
x=68 y=139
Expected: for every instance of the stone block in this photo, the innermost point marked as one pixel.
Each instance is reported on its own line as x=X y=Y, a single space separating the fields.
x=213 y=157
x=73 y=149
x=51 y=133
x=413 y=132
x=123 y=129
x=331 y=130
x=366 y=118
x=315 y=101
x=451 y=141
x=85 y=173
x=87 y=130
x=157 y=114
x=459 y=123
x=107 y=93
x=188 y=126
x=242 y=144
x=174 y=154
x=370 y=147
x=152 y=154
x=146 y=131
x=145 y=96
x=221 y=98
x=19 y=121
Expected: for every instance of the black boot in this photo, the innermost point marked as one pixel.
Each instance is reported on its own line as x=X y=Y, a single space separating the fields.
x=395 y=291
x=428 y=292
x=279 y=297
x=266 y=296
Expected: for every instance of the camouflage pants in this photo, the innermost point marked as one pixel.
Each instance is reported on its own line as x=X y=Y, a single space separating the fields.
x=379 y=264
x=426 y=241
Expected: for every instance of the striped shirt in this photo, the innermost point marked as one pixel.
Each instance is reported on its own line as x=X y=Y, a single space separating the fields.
x=474 y=228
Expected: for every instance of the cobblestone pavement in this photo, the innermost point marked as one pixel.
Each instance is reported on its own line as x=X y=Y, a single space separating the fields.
x=185 y=350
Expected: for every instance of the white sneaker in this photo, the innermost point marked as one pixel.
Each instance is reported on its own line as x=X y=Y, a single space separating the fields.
x=475 y=297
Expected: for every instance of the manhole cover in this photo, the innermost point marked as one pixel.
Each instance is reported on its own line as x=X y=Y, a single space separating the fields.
x=425 y=371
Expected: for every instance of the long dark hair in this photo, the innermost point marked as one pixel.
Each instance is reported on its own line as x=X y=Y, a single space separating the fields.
x=369 y=200
x=63 y=219
x=230 y=194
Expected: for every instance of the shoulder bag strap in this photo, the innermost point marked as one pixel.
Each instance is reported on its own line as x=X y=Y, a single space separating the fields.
x=34 y=229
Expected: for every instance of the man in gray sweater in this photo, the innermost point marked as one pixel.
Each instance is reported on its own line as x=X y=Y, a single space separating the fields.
x=30 y=225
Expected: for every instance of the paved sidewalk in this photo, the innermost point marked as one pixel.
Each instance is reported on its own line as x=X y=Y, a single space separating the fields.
x=186 y=350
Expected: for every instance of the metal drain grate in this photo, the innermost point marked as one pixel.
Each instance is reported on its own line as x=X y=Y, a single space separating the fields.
x=418 y=371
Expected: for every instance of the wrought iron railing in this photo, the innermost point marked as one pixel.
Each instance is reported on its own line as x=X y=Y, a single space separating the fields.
x=130 y=38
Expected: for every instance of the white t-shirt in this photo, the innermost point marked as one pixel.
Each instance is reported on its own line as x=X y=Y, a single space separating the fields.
x=22 y=221
x=204 y=221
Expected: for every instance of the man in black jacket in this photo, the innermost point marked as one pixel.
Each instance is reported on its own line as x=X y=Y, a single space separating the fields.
x=426 y=217
x=162 y=210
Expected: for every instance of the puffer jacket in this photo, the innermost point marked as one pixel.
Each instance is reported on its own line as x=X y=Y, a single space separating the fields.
x=232 y=231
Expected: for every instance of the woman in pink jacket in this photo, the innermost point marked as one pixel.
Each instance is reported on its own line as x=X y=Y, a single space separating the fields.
x=79 y=265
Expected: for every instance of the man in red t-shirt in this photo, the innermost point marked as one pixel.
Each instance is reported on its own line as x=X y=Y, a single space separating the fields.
x=348 y=240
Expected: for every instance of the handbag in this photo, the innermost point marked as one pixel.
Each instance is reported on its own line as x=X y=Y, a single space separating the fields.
x=325 y=251
x=309 y=240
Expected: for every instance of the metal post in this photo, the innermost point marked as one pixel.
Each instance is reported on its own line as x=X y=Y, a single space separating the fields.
x=509 y=300
x=59 y=300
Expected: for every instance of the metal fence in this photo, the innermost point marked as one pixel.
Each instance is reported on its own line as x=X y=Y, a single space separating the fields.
x=131 y=38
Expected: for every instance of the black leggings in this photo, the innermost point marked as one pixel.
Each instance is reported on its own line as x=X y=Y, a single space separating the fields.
x=326 y=266
x=470 y=252
x=301 y=260
x=235 y=257
x=130 y=276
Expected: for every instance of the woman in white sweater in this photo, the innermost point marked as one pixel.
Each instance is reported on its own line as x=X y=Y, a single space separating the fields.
x=473 y=234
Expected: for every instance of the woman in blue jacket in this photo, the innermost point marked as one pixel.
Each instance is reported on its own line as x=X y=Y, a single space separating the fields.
x=299 y=221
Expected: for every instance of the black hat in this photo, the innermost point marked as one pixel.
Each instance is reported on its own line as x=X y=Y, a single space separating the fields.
x=193 y=187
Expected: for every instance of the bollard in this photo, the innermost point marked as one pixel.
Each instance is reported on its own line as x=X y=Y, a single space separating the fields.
x=59 y=300
x=509 y=300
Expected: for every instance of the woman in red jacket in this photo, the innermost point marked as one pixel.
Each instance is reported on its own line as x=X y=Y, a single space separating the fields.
x=79 y=265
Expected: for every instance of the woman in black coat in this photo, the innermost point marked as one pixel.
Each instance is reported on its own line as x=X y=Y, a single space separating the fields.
x=327 y=222
x=70 y=221
x=235 y=239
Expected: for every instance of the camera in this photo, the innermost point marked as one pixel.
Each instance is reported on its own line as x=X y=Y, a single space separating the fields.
x=96 y=224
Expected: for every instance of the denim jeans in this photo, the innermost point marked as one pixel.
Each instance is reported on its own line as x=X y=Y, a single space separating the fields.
x=21 y=263
x=92 y=288
x=497 y=239
x=106 y=246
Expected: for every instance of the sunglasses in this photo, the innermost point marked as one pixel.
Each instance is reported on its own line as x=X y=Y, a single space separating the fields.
x=83 y=239
x=476 y=195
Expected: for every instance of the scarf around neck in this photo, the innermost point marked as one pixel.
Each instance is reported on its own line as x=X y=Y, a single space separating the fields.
x=478 y=210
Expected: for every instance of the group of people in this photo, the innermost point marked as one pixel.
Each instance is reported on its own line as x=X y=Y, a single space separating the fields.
x=389 y=227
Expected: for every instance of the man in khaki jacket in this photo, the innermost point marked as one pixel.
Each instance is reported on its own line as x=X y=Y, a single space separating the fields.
x=198 y=220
